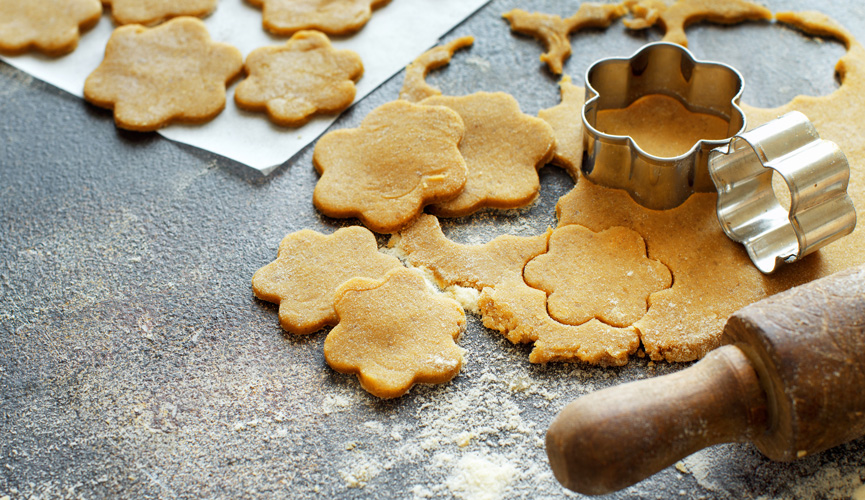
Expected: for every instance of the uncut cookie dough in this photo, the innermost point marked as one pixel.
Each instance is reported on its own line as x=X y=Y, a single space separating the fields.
x=295 y=81
x=334 y=17
x=394 y=333
x=149 y=12
x=503 y=149
x=308 y=269
x=567 y=129
x=49 y=26
x=151 y=77
x=402 y=157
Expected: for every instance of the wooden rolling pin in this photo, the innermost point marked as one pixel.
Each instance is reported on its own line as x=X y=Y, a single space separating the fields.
x=791 y=379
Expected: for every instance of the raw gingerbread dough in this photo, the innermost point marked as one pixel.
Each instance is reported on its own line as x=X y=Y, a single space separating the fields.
x=150 y=12
x=151 y=77
x=567 y=126
x=334 y=17
x=293 y=82
x=675 y=17
x=604 y=276
x=308 y=269
x=414 y=85
x=503 y=149
x=402 y=157
x=661 y=125
x=554 y=31
x=394 y=333
x=49 y=26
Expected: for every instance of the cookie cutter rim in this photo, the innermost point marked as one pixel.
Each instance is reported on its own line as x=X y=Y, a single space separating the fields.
x=617 y=161
x=816 y=173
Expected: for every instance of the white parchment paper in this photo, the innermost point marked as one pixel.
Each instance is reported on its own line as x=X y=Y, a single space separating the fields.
x=396 y=34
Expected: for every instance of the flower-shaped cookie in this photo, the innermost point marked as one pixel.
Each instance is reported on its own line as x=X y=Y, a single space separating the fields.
x=50 y=26
x=402 y=157
x=308 y=269
x=395 y=333
x=153 y=76
x=503 y=149
x=334 y=17
x=149 y=12
x=602 y=275
x=294 y=81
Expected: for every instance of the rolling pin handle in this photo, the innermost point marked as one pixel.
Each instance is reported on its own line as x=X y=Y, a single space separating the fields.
x=615 y=437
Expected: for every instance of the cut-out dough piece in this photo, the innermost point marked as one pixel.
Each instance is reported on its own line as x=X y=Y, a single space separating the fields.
x=52 y=27
x=554 y=31
x=153 y=76
x=519 y=312
x=150 y=12
x=661 y=125
x=293 y=82
x=414 y=85
x=674 y=18
x=402 y=157
x=395 y=333
x=503 y=149
x=308 y=269
x=567 y=126
x=334 y=17
x=603 y=275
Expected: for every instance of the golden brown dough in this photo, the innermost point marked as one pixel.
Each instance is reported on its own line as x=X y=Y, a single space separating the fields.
x=503 y=149
x=567 y=126
x=395 y=333
x=293 y=82
x=554 y=31
x=334 y=17
x=402 y=157
x=49 y=26
x=414 y=85
x=308 y=269
x=674 y=18
x=149 y=12
x=151 y=77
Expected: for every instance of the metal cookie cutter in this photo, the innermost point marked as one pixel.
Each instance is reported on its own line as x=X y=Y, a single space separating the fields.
x=816 y=173
x=658 y=68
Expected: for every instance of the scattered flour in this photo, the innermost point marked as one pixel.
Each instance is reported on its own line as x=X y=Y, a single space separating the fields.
x=478 y=477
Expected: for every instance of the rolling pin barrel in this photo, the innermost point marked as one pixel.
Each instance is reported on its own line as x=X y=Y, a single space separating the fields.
x=792 y=381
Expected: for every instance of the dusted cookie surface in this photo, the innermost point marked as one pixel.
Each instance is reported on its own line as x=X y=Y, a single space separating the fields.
x=295 y=81
x=567 y=126
x=414 y=85
x=554 y=31
x=334 y=17
x=153 y=76
x=395 y=333
x=402 y=157
x=603 y=275
x=150 y=12
x=503 y=149
x=49 y=26
x=308 y=269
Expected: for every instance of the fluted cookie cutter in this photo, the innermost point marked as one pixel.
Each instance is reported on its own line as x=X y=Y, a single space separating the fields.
x=815 y=173
x=658 y=68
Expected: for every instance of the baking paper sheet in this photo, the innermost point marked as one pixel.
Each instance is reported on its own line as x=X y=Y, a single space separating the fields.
x=396 y=34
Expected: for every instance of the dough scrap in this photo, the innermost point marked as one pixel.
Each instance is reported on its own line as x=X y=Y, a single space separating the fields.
x=151 y=77
x=295 y=81
x=604 y=276
x=52 y=27
x=674 y=18
x=472 y=266
x=334 y=17
x=554 y=31
x=150 y=12
x=308 y=269
x=661 y=125
x=394 y=333
x=414 y=85
x=503 y=149
x=567 y=126
x=402 y=157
